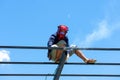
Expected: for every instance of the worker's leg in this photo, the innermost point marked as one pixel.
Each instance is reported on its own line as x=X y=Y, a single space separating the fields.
x=81 y=55
x=56 y=53
x=59 y=52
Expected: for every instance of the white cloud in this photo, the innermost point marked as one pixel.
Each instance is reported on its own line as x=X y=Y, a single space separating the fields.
x=4 y=55
x=102 y=32
x=106 y=27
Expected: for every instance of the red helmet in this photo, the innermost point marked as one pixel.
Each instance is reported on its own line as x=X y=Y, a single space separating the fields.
x=62 y=30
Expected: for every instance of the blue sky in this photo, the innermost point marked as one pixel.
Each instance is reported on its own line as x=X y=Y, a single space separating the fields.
x=91 y=23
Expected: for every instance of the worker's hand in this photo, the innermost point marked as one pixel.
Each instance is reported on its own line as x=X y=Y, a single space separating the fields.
x=54 y=45
x=73 y=46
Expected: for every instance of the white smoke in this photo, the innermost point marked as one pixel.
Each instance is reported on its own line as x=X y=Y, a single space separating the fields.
x=4 y=55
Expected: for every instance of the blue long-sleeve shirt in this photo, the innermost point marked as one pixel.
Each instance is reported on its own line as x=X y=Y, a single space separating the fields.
x=54 y=40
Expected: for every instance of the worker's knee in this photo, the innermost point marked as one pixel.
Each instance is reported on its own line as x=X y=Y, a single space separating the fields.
x=61 y=43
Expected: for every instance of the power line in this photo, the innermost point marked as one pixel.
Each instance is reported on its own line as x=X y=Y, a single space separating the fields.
x=41 y=47
x=87 y=75
x=52 y=63
x=60 y=66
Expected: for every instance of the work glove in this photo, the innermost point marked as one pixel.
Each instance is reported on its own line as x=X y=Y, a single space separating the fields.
x=54 y=45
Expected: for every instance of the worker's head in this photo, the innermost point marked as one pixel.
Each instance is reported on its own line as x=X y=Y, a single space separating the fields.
x=61 y=32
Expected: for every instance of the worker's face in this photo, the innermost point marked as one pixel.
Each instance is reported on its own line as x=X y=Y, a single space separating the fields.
x=61 y=34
